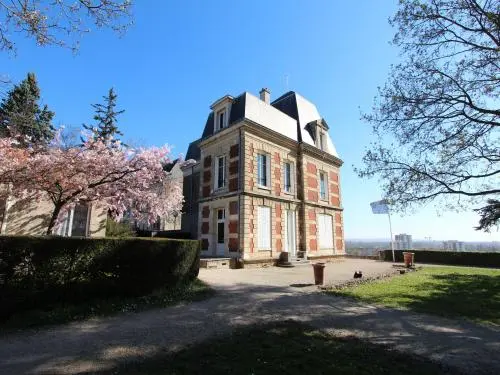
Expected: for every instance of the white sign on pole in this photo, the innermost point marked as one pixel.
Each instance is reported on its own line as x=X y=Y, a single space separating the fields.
x=382 y=207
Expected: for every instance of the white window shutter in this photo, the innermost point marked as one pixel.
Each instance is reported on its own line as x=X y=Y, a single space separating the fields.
x=284 y=177
x=268 y=170
x=216 y=172
x=264 y=227
x=259 y=169
x=325 y=231
x=224 y=177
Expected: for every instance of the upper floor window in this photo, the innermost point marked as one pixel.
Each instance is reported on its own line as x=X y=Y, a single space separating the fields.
x=263 y=169
x=220 y=172
x=322 y=185
x=322 y=141
x=220 y=120
x=287 y=177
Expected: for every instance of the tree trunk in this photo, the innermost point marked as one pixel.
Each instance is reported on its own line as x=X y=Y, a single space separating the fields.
x=53 y=218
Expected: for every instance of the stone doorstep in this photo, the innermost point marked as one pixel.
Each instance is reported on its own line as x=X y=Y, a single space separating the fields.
x=327 y=258
x=215 y=263
x=225 y=263
x=300 y=261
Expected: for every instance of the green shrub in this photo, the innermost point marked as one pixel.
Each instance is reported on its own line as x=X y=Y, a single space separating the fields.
x=118 y=229
x=447 y=257
x=39 y=271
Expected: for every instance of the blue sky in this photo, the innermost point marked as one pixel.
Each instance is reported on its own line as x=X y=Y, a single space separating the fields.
x=180 y=56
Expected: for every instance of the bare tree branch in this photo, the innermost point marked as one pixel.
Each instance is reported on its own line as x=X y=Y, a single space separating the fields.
x=60 y=22
x=440 y=107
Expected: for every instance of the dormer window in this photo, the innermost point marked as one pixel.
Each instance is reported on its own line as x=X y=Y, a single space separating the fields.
x=318 y=130
x=321 y=141
x=220 y=119
x=221 y=109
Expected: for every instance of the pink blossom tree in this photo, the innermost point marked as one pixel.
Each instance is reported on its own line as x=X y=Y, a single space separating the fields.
x=118 y=179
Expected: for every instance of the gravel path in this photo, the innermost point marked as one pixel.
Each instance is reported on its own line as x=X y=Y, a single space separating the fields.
x=99 y=343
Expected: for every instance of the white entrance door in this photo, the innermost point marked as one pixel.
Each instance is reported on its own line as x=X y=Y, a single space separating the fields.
x=221 y=232
x=290 y=245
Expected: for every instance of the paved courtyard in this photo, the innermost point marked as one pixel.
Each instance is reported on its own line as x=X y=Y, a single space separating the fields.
x=251 y=296
x=301 y=277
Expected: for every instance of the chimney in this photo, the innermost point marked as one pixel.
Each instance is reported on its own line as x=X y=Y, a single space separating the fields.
x=265 y=95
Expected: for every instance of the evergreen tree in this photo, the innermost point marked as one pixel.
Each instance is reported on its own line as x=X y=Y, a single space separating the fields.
x=21 y=114
x=106 y=120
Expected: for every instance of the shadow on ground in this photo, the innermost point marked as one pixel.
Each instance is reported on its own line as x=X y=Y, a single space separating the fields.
x=100 y=345
x=286 y=347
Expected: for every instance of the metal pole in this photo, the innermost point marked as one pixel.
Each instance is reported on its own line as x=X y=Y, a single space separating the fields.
x=392 y=242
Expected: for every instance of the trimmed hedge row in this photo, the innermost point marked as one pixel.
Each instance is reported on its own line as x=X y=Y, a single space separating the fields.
x=38 y=271
x=447 y=257
x=172 y=234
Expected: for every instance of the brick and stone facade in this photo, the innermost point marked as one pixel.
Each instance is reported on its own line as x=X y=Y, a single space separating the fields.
x=234 y=207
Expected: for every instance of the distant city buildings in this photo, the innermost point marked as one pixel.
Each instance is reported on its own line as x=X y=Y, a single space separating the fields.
x=454 y=245
x=403 y=241
x=372 y=246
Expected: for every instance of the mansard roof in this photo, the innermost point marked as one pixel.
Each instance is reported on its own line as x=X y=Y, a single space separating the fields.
x=290 y=115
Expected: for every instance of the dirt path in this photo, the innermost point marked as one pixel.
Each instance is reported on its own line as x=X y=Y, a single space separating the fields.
x=98 y=344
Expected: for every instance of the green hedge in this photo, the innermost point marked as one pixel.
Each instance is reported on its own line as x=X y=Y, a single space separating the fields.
x=447 y=257
x=38 y=271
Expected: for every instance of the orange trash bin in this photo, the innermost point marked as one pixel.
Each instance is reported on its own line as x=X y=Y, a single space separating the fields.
x=409 y=259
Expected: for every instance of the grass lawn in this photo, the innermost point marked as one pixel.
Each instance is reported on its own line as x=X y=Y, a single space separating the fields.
x=58 y=314
x=473 y=293
x=283 y=348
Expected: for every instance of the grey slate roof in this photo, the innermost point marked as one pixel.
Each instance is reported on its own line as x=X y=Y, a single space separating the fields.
x=287 y=103
x=193 y=151
x=168 y=167
x=290 y=115
x=237 y=109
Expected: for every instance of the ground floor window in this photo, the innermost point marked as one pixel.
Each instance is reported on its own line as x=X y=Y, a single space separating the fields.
x=325 y=227
x=3 y=208
x=75 y=223
x=221 y=222
x=264 y=227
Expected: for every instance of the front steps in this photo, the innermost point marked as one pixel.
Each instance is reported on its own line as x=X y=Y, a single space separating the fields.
x=299 y=261
x=215 y=263
x=287 y=261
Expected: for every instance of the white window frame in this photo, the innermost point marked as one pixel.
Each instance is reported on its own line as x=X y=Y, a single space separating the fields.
x=291 y=177
x=325 y=197
x=217 y=113
x=65 y=227
x=264 y=231
x=321 y=141
x=325 y=231
x=216 y=172
x=3 y=214
x=267 y=171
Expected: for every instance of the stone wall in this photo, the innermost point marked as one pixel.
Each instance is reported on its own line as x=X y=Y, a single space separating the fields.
x=224 y=145
x=312 y=168
x=314 y=205
x=249 y=228
x=242 y=221
x=32 y=217
x=312 y=230
x=278 y=155
x=208 y=227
